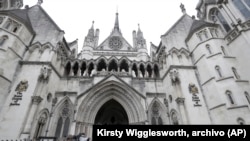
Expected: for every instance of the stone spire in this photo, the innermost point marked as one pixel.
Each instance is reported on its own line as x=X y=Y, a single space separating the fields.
x=140 y=44
x=140 y=41
x=91 y=30
x=116 y=26
x=90 y=42
x=92 y=37
x=139 y=32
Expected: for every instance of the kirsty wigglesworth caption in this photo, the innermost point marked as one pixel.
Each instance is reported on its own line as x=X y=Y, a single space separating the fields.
x=173 y=132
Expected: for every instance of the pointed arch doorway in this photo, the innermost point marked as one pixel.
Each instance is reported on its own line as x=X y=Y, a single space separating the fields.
x=111 y=113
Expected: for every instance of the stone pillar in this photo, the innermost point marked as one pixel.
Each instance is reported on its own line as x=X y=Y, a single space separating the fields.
x=180 y=101
x=35 y=101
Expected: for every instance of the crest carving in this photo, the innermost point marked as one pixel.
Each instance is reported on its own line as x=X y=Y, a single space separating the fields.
x=22 y=86
x=193 y=89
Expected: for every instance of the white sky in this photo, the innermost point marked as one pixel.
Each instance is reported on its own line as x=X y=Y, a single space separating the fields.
x=154 y=16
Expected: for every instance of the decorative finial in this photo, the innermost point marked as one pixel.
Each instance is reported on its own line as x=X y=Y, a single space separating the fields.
x=92 y=24
x=183 y=9
x=39 y=2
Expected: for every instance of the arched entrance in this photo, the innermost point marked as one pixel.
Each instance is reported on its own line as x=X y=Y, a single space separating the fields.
x=111 y=113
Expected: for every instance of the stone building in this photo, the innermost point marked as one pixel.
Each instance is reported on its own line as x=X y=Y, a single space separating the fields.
x=198 y=74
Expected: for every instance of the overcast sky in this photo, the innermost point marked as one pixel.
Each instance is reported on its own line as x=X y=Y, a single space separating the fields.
x=154 y=16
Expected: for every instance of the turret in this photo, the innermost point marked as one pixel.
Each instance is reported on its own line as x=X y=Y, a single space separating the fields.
x=140 y=44
x=11 y=4
x=90 y=42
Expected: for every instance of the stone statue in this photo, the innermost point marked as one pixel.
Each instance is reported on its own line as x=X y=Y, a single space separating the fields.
x=22 y=86
x=183 y=9
x=146 y=74
x=193 y=89
x=39 y=2
x=45 y=73
x=133 y=73
x=174 y=75
x=140 y=74
x=93 y=72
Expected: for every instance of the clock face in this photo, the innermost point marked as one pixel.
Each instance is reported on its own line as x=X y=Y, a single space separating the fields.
x=115 y=43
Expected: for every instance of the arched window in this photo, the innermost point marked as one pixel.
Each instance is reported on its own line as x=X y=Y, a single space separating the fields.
x=218 y=70
x=3 y=39
x=63 y=123
x=223 y=51
x=156 y=71
x=174 y=118
x=215 y=15
x=67 y=69
x=83 y=69
x=59 y=127
x=101 y=66
x=90 y=69
x=242 y=7
x=230 y=97
x=209 y=49
x=149 y=71
x=124 y=66
x=134 y=70
x=247 y=97
x=113 y=66
x=8 y=24
x=75 y=69
x=236 y=75
x=49 y=97
x=1 y=4
x=156 y=118
x=15 y=29
x=66 y=127
x=142 y=70
x=40 y=125
x=240 y=121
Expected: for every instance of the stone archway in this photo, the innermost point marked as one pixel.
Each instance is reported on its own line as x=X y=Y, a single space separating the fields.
x=100 y=96
x=111 y=113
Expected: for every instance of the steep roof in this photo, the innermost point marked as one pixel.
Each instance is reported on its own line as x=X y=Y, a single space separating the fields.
x=205 y=2
x=116 y=32
x=182 y=18
x=197 y=25
x=21 y=15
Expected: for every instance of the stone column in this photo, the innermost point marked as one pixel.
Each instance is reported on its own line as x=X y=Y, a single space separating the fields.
x=35 y=101
x=180 y=101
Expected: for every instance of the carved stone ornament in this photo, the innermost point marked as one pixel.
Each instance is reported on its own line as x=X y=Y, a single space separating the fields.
x=166 y=102
x=36 y=99
x=193 y=89
x=156 y=109
x=115 y=43
x=174 y=75
x=39 y=2
x=45 y=73
x=54 y=101
x=22 y=86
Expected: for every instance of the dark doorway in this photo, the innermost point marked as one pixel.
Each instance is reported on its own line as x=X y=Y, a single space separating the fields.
x=111 y=113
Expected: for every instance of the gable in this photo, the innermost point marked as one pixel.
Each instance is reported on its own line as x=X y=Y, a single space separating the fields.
x=176 y=35
x=45 y=28
x=108 y=82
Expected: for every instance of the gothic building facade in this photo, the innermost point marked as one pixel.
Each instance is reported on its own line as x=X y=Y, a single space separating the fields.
x=198 y=74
